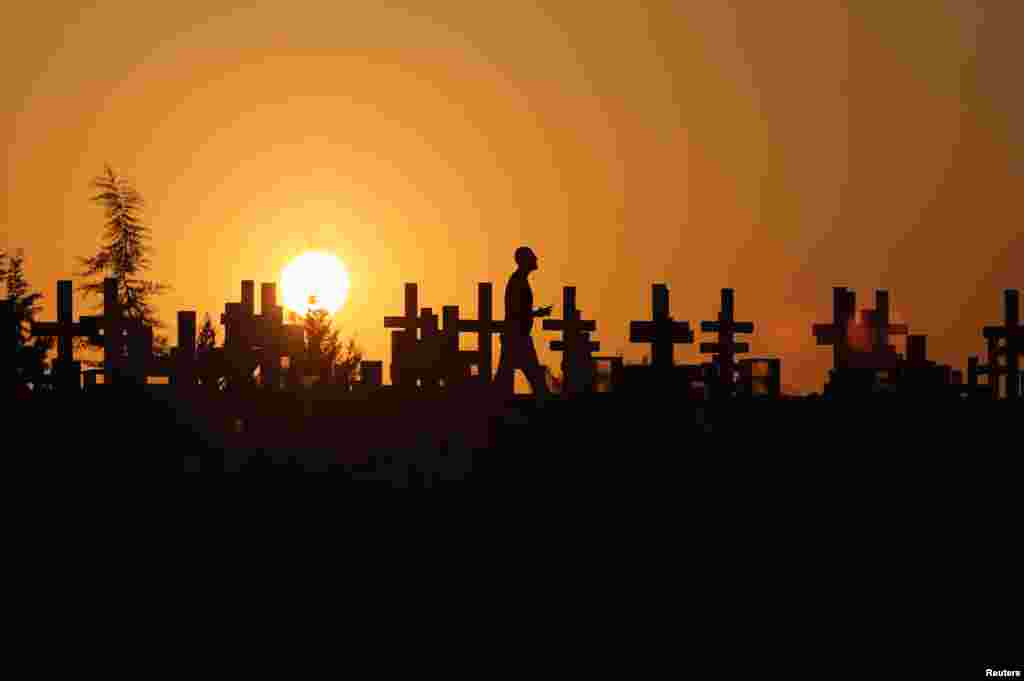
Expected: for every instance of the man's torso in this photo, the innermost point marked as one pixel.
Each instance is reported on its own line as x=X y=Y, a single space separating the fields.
x=519 y=304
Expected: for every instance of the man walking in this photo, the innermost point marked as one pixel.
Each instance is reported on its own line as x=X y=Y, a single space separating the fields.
x=517 y=350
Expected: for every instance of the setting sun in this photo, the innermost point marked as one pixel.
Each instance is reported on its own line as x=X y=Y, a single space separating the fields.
x=314 y=280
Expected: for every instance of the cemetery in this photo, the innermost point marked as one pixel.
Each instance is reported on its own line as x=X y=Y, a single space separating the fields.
x=263 y=402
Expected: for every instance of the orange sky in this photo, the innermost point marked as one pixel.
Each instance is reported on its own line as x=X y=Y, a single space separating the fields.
x=777 y=148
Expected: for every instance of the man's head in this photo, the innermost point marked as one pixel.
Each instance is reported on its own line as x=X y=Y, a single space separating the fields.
x=526 y=259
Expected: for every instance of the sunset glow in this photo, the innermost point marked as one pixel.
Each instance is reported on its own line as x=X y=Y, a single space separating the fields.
x=315 y=280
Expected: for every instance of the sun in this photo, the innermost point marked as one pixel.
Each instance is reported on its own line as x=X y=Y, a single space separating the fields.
x=314 y=280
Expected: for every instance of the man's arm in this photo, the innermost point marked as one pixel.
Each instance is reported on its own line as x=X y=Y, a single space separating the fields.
x=542 y=311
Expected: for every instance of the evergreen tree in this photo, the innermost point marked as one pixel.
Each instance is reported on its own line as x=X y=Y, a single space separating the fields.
x=124 y=253
x=324 y=342
x=207 y=336
x=30 y=357
x=206 y=358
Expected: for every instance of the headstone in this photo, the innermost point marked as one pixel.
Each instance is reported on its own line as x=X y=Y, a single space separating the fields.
x=760 y=377
x=371 y=373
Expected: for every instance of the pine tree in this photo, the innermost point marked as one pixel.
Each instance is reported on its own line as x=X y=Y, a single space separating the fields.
x=205 y=355
x=207 y=336
x=323 y=342
x=124 y=253
x=30 y=357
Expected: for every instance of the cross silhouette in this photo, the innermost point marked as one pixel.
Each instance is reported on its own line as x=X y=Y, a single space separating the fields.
x=1012 y=332
x=726 y=349
x=485 y=326
x=662 y=332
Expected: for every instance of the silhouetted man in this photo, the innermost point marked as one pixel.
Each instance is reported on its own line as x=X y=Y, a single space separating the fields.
x=517 y=351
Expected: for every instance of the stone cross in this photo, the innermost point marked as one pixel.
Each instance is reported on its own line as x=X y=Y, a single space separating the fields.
x=726 y=349
x=662 y=332
x=1012 y=335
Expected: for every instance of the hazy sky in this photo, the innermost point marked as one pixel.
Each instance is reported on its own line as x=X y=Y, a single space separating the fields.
x=779 y=148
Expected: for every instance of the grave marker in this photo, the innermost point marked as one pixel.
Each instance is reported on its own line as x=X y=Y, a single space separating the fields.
x=662 y=332
x=67 y=372
x=1012 y=334
x=575 y=344
x=726 y=349
x=485 y=326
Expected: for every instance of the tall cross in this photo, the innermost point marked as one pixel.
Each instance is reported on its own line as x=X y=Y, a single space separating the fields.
x=485 y=326
x=114 y=326
x=726 y=349
x=875 y=326
x=403 y=340
x=575 y=343
x=837 y=334
x=1012 y=333
x=662 y=332
x=455 y=362
x=66 y=330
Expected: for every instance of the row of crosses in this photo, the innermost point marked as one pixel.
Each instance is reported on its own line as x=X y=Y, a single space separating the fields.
x=427 y=355
x=861 y=351
x=251 y=341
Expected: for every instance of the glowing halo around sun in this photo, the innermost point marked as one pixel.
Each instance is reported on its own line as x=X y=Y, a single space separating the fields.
x=314 y=280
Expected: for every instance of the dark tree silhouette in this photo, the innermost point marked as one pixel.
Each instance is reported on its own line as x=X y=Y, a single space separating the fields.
x=325 y=348
x=30 y=357
x=124 y=253
x=206 y=357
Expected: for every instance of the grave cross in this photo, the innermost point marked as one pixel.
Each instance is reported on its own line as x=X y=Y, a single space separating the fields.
x=403 y=340
x=114 y=327
x=875 y=329
x=426 y=354
x=484 y=326
x=1012 y=333
x=837 y=334
x=575 y=344
x=66 y=370
x=455 y=362
x=726 y=349
x=992 y=370
x=662 y=332
x=577 y=361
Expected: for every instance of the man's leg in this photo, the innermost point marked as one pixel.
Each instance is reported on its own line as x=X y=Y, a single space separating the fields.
x=534 y=371
x=504 y=380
